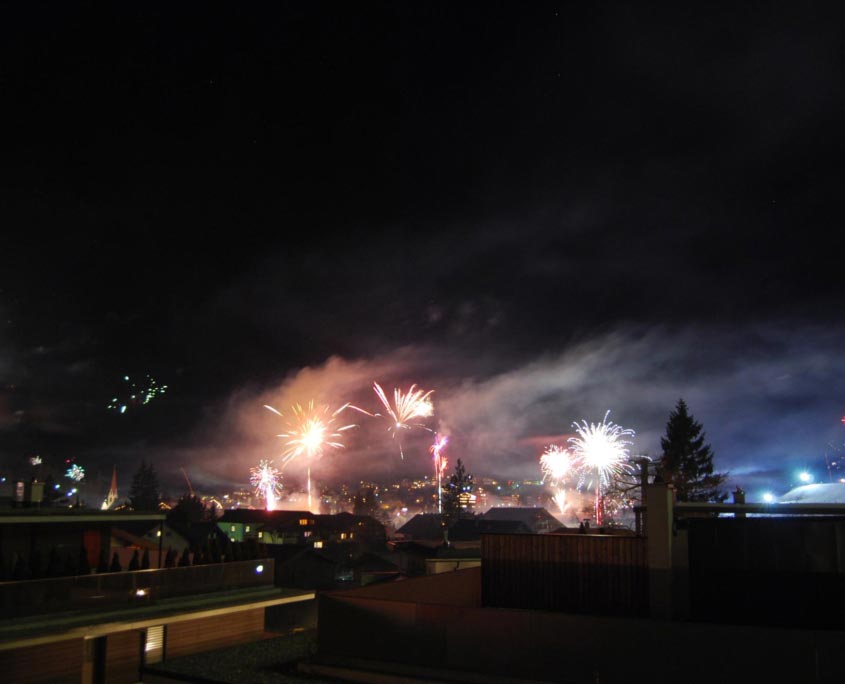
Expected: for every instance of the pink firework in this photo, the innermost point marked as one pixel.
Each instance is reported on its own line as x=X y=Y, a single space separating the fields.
x=265 y=478
x=440 y=465
x=407 y=408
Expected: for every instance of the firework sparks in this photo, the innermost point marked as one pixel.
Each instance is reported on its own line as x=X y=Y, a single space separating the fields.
x=265 y=478
x=557 y=464
x=407 y=407
x=75 y=473
x=309 y=431
x=560 y=500
x=440 y=465
x=136 y=394
x=601 y=448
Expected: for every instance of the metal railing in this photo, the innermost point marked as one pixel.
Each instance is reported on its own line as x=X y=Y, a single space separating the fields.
x=131 y=588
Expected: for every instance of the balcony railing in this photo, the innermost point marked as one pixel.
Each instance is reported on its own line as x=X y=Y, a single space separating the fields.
x=116 y=590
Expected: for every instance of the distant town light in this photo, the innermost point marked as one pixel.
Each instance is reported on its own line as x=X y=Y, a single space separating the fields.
x=768 y=497
x=140 y=592
x=804 y=476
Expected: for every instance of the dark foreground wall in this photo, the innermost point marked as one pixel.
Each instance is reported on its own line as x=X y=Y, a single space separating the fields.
x=552 y=646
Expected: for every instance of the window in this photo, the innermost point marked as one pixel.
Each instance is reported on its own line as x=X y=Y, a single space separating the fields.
x=343 y=535
x=246 y=529
x=318 y=545
x=307 y=533
x=232 y=528
x=303 y=521
x=261 y=535
x=154 y=645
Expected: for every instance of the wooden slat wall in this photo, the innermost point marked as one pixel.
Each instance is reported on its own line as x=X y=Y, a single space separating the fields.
x=195 y=636
x=56 y=663
x=600 y=575
x=123 y=657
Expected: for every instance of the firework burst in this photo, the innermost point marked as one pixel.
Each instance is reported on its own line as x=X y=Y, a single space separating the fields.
x=75 y=473
x=309 y=431
x=440 y=465
x=557 y=464
x=406 y=408
x=265 y=478
x=601 y=449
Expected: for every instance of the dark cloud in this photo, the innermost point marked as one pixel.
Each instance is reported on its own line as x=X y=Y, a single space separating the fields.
x=541 y=212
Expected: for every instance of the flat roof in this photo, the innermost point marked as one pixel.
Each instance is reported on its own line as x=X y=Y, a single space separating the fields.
x=41 y=515
x=42 y=629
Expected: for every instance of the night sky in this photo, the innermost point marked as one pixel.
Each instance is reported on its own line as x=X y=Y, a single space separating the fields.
x=541 y=211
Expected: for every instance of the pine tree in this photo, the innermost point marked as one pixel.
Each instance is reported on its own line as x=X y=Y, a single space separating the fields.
x=144 y=494
x=687 y=462
x=455 y=494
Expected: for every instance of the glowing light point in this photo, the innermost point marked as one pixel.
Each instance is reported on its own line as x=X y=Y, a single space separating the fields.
x=805 y=477
x=768 y=497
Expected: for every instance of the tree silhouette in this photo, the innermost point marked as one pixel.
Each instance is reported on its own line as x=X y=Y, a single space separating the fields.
x=187 y=511
x=456 y=494
x=135 y=563
x=687 y=462
x=145 y=494
x=115 y=563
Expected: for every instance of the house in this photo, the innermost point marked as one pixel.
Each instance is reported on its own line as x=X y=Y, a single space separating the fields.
x=536 y=520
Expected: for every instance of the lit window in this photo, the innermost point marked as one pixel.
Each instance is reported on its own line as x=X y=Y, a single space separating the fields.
x=232 y=528
x=318 y=545
x=154 y=645
x=246 y=529
x=352 y=535
x=303 y=521
x=261 y=535
x=307 y=533
x=343 y=535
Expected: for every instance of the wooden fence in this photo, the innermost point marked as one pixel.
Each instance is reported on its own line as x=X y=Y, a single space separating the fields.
x=592 y=574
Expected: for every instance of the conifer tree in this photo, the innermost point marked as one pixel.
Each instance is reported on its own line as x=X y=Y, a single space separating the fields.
x=687 y=462
x=144 y=494
x=455 y=494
